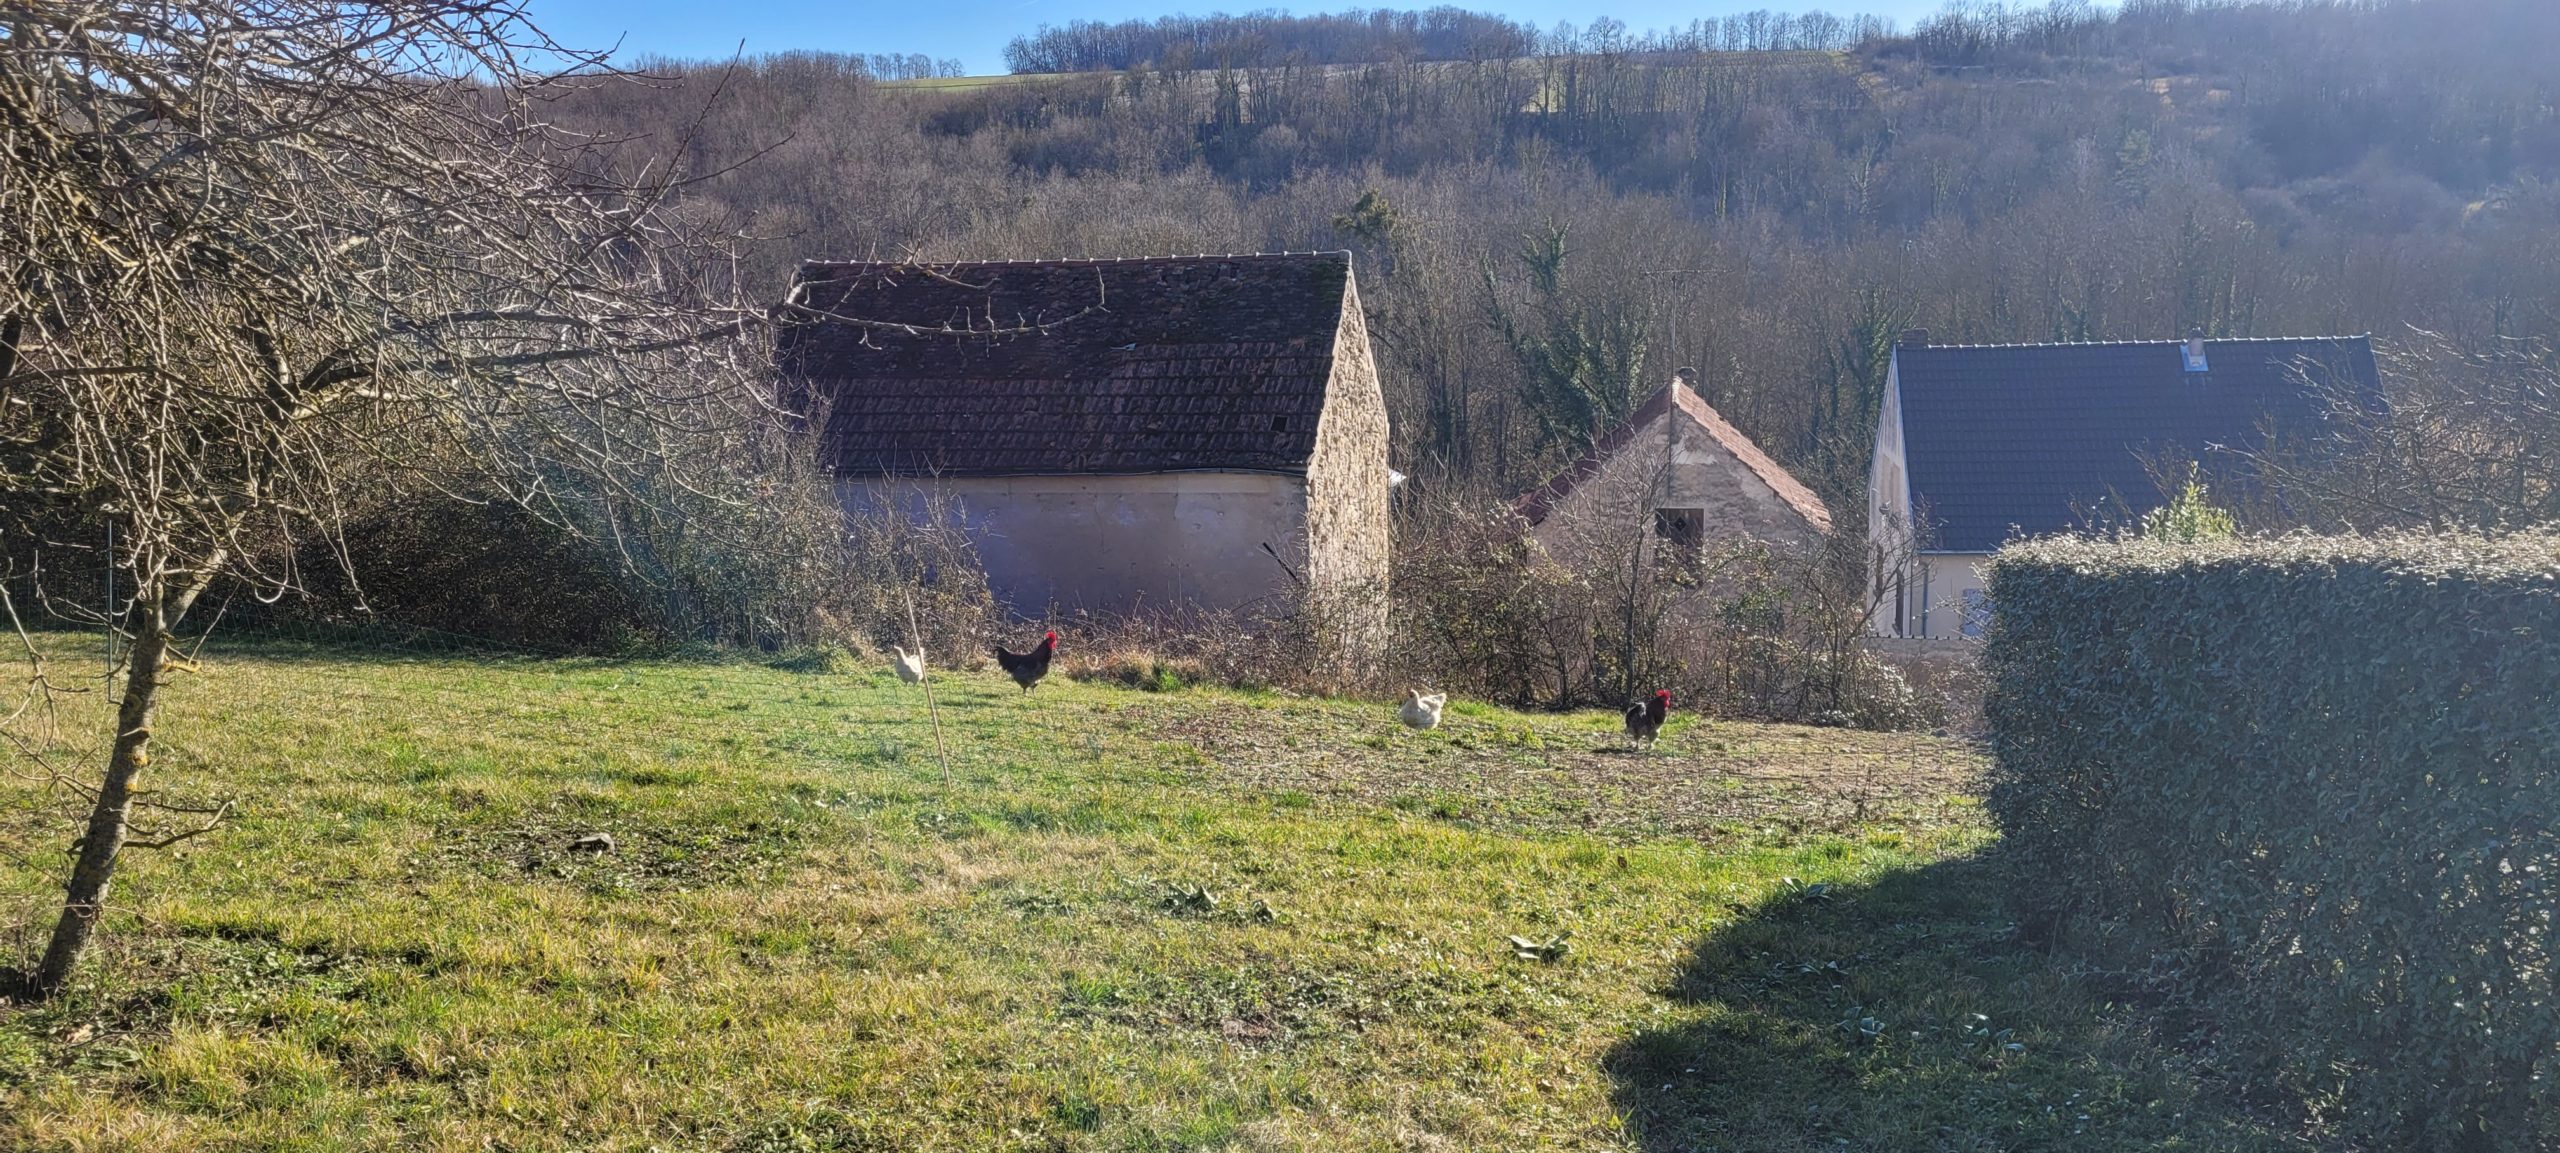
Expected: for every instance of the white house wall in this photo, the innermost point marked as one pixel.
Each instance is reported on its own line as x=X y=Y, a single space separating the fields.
x=1123 y=543
x=1889 y=517
x=1926 y=595
x=1944 y=587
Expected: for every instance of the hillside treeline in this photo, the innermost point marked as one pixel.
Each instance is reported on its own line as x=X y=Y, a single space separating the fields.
x=1270 y=37
x=1542 y=240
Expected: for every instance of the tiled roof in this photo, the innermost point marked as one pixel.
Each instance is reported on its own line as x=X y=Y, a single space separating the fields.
x=2024 y=438
x=1536 y=504
x=1156 y=365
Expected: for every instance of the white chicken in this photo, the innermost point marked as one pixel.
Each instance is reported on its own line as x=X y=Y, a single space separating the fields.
x=1420 y=711
x=910 y=664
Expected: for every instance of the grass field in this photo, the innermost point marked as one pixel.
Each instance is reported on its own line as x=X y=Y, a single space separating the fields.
x=966 y=83
x=1130 y=921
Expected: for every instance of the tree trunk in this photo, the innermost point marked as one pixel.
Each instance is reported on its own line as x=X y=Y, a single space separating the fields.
x=86 y=895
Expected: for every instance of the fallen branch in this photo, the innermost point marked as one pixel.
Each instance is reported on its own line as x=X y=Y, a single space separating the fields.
x=210 y=824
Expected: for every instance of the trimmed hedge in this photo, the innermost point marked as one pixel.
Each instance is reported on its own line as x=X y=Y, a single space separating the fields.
x=2310 y=788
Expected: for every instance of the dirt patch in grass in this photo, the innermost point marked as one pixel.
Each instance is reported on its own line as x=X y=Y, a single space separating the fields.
x=1706 y=779
x=618 y=853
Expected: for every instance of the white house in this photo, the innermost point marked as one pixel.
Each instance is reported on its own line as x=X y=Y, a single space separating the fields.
x=1195 y=432
x=1982 y=444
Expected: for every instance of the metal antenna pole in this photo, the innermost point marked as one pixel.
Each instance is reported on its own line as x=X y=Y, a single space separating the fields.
x=1677 y=356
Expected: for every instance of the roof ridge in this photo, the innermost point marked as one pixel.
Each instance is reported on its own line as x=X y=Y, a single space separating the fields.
x=2141 y=343
x=1170 y=258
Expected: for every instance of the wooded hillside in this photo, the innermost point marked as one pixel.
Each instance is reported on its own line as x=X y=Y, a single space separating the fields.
x=1541 y=239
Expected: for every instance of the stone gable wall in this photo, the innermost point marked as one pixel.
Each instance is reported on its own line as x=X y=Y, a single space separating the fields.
x=1701 y=474
x=1348 y=538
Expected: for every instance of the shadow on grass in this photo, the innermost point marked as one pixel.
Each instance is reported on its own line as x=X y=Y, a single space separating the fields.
x=1906 y=1014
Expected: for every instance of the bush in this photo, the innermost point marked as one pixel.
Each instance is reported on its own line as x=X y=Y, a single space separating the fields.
x=2307 y=784
x=490 y=571
x=1143 y=671
x=913 y=556
x=1592 y=617
x=753 y=552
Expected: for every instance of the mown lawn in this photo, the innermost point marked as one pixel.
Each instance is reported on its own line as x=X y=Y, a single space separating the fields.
x=1130 y=921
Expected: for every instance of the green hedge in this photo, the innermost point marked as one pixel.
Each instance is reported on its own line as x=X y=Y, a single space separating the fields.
x=2309 y=789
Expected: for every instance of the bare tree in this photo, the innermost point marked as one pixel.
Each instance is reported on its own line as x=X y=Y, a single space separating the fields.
x=1630 y=576
x=256 y=252
x=2461 y=438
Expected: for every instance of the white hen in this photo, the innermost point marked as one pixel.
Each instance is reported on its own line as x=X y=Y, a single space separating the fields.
x=1422 y=712
x=910 y=664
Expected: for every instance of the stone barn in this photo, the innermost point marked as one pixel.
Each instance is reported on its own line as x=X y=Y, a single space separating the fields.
x=1679 y=465
x=1118 y=435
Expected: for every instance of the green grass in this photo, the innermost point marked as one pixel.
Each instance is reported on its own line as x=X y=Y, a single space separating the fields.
x=1132 y=921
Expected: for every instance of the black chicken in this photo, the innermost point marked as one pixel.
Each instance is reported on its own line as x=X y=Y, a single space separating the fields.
x=1026 y=669
x=1644 y=718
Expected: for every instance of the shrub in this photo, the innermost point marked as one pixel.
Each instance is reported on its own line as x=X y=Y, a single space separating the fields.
x=1747 y=630
x=2307 y=784
x=490 y=571
x=756 y=554
x=913 y=554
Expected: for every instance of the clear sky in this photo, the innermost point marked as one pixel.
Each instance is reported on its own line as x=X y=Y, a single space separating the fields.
x=976 y=30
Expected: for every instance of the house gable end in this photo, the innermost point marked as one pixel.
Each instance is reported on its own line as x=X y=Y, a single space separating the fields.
x=1347 y=518
x=1699 y=423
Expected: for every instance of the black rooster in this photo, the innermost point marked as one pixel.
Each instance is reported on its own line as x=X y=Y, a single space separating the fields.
x=1026 y=669
x=1644 y=718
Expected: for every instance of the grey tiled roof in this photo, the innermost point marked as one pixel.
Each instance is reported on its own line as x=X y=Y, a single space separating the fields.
x=2004 y=440
x=1213 y=362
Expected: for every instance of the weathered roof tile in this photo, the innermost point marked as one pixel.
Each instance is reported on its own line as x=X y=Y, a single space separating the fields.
x=1215 y=362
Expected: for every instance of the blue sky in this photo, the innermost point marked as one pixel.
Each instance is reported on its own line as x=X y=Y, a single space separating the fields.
x=976 y=31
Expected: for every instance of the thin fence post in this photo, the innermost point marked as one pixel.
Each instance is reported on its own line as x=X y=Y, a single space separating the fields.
x=916 y=635
x=110 y=608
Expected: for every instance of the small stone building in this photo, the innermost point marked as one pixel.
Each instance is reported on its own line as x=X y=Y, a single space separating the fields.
x=1118 y=435
x=1697 y=478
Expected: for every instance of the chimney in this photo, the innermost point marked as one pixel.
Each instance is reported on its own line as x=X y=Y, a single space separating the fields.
x=1686 y=377
x=2193 y=354
x=1913 y=338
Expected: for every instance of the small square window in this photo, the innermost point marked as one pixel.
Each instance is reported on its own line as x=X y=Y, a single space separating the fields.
x=1682 y=537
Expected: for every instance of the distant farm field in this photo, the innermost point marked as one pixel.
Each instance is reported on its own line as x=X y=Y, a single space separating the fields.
x=963 y=83
x=1128 y=921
